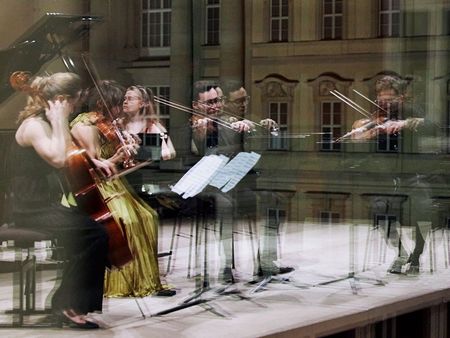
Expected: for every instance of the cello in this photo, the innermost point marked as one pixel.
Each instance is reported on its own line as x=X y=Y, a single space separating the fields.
x=83 y=177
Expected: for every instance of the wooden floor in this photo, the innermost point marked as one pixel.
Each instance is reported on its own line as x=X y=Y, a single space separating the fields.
x=327 y=293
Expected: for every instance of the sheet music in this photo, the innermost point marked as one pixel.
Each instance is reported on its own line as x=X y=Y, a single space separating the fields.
x=238 y=167
x=198 y=177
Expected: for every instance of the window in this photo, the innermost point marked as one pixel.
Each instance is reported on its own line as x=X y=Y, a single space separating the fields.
x=156 y=19
x=278 y=111
x=212 y=22
x=328 y=217
x=331 y=125
x=279 y=20
x=332 y=19
x=389 y=25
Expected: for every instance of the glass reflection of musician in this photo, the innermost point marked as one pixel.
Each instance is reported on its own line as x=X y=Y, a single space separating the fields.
x=391 y=99
x=237 y=104
x=212 y=138
x=44 y=139
x=140 y=277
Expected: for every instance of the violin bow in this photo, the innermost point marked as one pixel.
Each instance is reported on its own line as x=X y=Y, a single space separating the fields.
x=94 y=78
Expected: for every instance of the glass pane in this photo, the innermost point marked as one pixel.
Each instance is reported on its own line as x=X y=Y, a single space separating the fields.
x=336 y=107
x=275 y=30
x=284 y=30
x=285 y=8
x=337 y=118
x=166 y=29
x=395 y=4
x=395 y=19
x=384 y=19
x=275 y=8
x=338 y=7
x=145 y=27
x=328 y=7
x=326 y=118
x=385 y=5
x=155 y=4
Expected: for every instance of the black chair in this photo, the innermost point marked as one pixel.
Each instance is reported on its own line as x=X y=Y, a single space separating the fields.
x=24 y=275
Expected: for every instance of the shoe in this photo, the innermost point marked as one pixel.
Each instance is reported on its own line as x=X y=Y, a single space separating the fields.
x=166 y=293
x=285 y=269
x=397 y=264
x=62 y=320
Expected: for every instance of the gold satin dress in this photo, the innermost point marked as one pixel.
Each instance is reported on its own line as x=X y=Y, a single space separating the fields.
x=140 y=277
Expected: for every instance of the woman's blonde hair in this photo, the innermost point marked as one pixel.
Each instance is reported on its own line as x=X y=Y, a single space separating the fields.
x=45 y=88
x=148 y=100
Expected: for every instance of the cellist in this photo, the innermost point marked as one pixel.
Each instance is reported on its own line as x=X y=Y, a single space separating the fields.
x=42 y=147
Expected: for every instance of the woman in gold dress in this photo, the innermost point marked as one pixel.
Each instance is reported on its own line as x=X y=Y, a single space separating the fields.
x=140 y=277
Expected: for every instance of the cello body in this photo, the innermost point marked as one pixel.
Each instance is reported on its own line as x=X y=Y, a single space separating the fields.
x=83 y=179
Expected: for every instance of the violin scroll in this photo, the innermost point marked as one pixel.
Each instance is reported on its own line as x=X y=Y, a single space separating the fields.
x=20 y=81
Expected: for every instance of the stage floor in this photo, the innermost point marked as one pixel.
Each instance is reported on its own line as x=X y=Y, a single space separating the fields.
x=319 y=298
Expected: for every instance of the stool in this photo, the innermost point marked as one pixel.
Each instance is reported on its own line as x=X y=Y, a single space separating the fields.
x=26 y=271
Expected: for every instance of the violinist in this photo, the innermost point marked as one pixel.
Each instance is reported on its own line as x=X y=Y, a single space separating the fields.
x=210 y=137
x=392 y=104
x=139 y=118
x=386 y=120
x=140 y=277
x=237 y=104
x=43 y=140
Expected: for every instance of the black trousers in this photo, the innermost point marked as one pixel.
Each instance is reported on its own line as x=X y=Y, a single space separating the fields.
x=85 y=245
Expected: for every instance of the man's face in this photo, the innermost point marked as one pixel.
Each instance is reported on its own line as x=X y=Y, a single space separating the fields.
x=209 y=102
x=239 y=101
x=389 y=100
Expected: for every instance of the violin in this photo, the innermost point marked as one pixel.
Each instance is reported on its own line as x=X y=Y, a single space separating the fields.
x=267 y=124
x=115 y=136
x=83 y=178
x=382 y=120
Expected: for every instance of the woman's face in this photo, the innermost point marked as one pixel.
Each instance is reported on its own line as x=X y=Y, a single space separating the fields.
x=132 y=102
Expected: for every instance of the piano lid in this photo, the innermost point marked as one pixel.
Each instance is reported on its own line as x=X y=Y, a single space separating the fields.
x=40 y=44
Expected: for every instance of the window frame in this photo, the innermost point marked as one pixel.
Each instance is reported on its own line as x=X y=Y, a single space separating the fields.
x=208 y=7
x=333 y=17
x=280 y=19
x=161 y=49
x=336 y=146
x=390 y=13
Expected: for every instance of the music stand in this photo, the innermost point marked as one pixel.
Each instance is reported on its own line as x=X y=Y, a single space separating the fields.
x=352 y=275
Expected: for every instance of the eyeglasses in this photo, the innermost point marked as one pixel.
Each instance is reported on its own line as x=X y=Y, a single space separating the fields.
x=131 y=98
x=210 y=102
